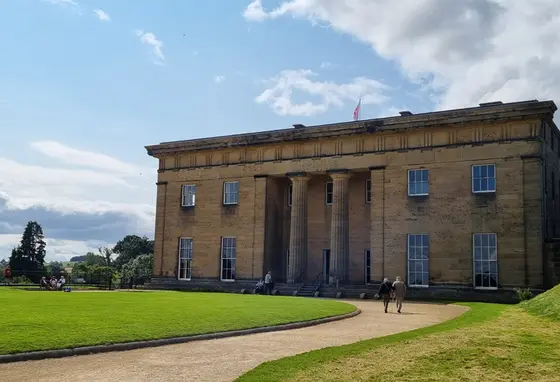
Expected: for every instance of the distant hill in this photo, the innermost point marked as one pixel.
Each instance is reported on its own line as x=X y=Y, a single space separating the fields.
x=78 y=259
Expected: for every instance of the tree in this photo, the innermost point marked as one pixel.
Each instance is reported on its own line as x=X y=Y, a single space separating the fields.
x=140 y=268
x=93 y=259
x=55 y=268
x=130 y=247
x=106 y=253
x=28 y=258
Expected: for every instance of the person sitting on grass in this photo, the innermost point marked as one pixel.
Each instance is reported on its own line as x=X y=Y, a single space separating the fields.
x=385 y=292
x=60 y=283
x=43 y=284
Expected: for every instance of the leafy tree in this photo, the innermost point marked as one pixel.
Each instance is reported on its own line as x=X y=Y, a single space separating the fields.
x=130 y=247
x=28 y=258
x=107 y=254
x=55 y=268
x=93 y=259
x=140 y=268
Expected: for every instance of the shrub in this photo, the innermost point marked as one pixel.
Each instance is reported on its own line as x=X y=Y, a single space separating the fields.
x=523 y=294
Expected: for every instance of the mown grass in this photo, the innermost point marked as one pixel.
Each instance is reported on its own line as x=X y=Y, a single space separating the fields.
x=32 y=320
x=490 y=342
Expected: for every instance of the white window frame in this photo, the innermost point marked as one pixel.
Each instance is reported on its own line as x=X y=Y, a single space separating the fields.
x=368 y=191
x=188 y=190
x=417 y=171
x=327 y=193
x=366 y=266
x=222 y=258
x=487 y=191
x=226 y=193
x=408 y=260
x=290 y=194
x=474 y=260
x=188 y=256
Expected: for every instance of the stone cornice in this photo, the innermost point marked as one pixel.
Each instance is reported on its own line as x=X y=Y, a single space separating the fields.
x=477 y=115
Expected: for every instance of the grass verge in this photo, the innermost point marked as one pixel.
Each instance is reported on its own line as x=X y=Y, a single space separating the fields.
x=55 y=320
x=490 y=342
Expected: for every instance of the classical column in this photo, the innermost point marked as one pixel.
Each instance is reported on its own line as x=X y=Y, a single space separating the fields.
x=377 y=223
x=298 y=227
x=340 y=241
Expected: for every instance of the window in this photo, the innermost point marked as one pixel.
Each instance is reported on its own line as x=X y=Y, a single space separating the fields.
x=326 y=266
x=328 y=193
x=228 y=259
x=484 y=178
x=231 y=192
x=185 y=258
x=418 y=182
x=485 y=260
x=290 y=193
x=367 y=261
x=188 y=195
x=418 y=260
x=368 y=191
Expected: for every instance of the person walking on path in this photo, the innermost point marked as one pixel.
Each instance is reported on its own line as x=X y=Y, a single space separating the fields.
x=399 y=288
x=385 y=291
x=268 y=284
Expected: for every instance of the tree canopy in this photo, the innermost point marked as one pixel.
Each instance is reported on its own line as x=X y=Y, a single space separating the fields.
x=28 y=258
x=130 y=247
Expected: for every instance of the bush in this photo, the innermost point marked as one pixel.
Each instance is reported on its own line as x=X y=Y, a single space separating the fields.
x=22 y=280
x=523 y=294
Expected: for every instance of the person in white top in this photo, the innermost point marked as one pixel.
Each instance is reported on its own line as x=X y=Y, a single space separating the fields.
x=268 y=282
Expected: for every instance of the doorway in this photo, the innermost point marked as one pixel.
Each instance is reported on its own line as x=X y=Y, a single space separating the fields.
x=326 y=265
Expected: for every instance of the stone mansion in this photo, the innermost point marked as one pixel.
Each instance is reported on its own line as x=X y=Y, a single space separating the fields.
x=465 y=198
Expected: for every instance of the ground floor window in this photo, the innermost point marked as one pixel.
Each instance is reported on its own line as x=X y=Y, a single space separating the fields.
x=418 y=260
x=228 y=259
x=485 y=260
x=367 y=261
x=185 y=258
x=326 y=265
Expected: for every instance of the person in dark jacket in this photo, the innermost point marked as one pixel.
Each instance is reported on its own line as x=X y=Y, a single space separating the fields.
x=385 y=292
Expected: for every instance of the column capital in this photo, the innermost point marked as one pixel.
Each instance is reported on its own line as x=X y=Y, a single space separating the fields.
x=339 y=173
x=303 y=176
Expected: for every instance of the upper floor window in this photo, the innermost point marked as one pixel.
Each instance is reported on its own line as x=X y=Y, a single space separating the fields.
x=328 y=193
x=188 y=195
x=418 y=182
x=231 y=192
x=368 y=191
x=484 y=178
x=290 y=193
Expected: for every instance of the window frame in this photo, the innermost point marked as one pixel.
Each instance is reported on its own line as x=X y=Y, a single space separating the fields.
x=222 y=258
x=408 y=259
x=290 y=194
x=225 y=193
x=367 y=253
x=415 y=170
x=327 y=193
x=183 y=194
x=368 y=191
x=474 y=260
x=186 y=258
x=488 y=191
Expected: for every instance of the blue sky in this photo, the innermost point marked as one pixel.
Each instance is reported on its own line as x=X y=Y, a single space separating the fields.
x=85 y=85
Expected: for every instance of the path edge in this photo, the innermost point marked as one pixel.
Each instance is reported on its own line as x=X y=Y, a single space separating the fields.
x=124 y=346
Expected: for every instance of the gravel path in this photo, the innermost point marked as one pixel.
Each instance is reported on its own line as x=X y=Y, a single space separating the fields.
x=227 y=358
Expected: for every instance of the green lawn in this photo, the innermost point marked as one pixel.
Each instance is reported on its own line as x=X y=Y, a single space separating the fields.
x=33 y=320
x=490 y=342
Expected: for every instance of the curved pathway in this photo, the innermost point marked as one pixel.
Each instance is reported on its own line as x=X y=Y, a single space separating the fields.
x=227 y=358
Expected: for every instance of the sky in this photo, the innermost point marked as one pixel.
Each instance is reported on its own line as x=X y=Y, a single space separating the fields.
x=86 y=84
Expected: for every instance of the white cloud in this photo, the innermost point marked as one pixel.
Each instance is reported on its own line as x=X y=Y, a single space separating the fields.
x=109 y=197
x=63 y=2
x=279 y=94
x=156 y=45
x=469 y=51
x=327 y=65
x=101 y=15
x=84 y=158
x=219 y=79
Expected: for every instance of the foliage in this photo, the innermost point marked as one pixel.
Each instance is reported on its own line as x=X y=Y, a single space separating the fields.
x=93 y=274
x=21 y=280
x=28 y=258
x=523 y=294
x=94 y=259
x=546 y=304
x=109 y=317
x=140 y=268
x=130 y=247
x=107 y=254
x=55 y=268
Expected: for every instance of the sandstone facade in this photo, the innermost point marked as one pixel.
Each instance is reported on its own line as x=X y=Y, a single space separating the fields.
x=353 y=201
